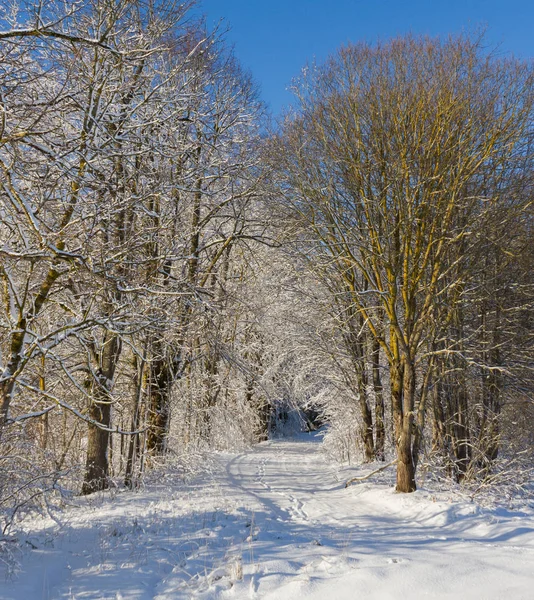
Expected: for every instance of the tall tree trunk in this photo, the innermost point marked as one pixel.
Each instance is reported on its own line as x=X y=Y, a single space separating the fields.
x=163 y=369
x=355 y=342
x=491 y=384
x=451 y=418
x=133 y=446
x=421 y=413
x=159 y=389
x=461 y=427
x=97 y=464
x=380 y=427
x=438 y=423
x=403 y=399
x=367 y=417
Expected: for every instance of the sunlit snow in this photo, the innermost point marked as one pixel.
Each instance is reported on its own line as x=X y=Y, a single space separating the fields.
x=276 y=523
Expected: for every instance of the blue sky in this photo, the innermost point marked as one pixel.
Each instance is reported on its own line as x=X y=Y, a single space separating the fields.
x=275 y=38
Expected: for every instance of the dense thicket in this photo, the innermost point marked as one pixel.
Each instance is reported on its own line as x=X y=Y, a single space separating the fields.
x=129 y=177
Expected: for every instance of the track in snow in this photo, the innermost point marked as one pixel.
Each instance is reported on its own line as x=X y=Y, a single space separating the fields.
x=315 y=539
x=278 y=524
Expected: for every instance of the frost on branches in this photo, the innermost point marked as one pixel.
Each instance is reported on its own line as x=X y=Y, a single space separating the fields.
x=175 y=279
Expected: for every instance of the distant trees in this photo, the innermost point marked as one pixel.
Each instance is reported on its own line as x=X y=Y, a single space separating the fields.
x=401 y=161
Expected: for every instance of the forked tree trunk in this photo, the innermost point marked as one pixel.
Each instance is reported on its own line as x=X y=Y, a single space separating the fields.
x=18 y=337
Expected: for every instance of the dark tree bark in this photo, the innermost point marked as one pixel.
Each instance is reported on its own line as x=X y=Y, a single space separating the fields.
x=133 y=446
x=405 y=392
x=97 y=464
x=159 y=389
x=380 y=427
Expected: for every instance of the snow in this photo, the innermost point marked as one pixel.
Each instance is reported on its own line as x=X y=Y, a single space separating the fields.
x=275 y=523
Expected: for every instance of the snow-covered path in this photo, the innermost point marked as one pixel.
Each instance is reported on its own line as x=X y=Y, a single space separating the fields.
x=316 y=539
x=278 y=524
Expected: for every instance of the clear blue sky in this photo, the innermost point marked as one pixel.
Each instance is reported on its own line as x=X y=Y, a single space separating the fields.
x=275 y=38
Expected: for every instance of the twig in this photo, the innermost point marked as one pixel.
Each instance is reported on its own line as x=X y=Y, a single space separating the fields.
x=370 y=474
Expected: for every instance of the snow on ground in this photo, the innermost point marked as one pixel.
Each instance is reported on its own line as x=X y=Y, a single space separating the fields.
x=276 y=523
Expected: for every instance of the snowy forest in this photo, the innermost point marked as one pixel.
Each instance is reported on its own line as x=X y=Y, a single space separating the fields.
x=183 y=275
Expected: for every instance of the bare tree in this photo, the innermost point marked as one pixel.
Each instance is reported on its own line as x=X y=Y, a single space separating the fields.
x=391 y=161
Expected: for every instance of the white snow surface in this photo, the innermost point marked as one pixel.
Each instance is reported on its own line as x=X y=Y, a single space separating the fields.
x=275 y=523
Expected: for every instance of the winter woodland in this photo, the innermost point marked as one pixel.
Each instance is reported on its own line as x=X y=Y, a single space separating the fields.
x=181 y=276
